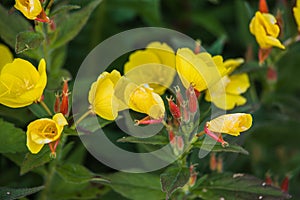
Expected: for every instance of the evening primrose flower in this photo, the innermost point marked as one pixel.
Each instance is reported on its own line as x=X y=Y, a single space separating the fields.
x=198 y=70
x=226 y=93
x=231 y=124
x=158 y=60
x=266 y=31
x=296 y=11
x=44 y=131
x=21 y=84
x=30 y=8
x=101 y=95
x=143 y=99
x=5 y=56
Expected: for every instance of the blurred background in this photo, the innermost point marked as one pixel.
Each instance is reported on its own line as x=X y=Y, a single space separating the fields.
x=223 y=28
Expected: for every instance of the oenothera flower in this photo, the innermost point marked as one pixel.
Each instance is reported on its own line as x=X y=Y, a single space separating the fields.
x=44 y=131
x=21 y=84
x=144 y=100
x=198 y=70
x=155 y=63
x=30 y=8
x=231 y=124
x=226 y=93
x=265 y=29
x=101 y=95
x=5 y=56
x=296 y=10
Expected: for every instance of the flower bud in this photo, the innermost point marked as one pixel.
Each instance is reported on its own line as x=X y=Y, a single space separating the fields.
x=192 y=99
x=174 y=109
x=285 y=184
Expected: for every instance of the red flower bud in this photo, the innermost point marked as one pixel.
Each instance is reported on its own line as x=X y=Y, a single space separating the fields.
x=179 y=143
x=285 y=184
x=174 y=109
x=192 y=99
x=64 y=106
x=263 y=6
x=263 y=54
x=268 y=180
x=271 y=74
x=179 y=98
x=213 y=162
x=172 y=137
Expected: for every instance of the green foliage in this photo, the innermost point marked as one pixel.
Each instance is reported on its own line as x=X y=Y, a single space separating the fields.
x=236 y=186
x=174 y=178
x=12 y=139
x=137 y=186
x=7 y=193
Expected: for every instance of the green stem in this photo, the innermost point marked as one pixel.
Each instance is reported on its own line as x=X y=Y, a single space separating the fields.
x=87 y=113
x=46 y=107
x=52 y=168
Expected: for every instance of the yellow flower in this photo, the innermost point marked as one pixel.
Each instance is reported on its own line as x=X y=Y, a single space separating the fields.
x=44 y=131
x=263 y=26
x=21 y=84
x=156 y=63
x=226 y=94
x=30 y=8
x=199 y=70
x=144 y=100
x=231 y=124
x=101 y=95
x=5 y=56
x=296 y=10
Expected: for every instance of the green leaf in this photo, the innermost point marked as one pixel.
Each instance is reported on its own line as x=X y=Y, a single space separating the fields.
x=154 y=140
x=7 y=193
x=236 y=187
x=174 y=178
x=209 y=22
x=28 y=40
x=75 y=173
x=32 y=161
x=137 y=186
x=69 y=27
x=217 y=47
x=63 y=9
x=12 y=139
x=88 y=124
x=217 y=147
x=10 y=25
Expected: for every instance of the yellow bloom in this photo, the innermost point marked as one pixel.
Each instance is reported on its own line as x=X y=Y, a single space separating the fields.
x=101 y=95
x=144 y=100
x=30 y=8
x=199 y=70
x=43 y=131
x=263 y=26
x=296 y=10
x=5 y=56
x=21 y=84
x=226 y=94
x=156 y=63
x=231 y=124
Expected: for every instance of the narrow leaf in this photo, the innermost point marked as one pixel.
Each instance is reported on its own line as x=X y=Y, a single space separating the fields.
x=7 y=193
x=12 y=139
x=28 y=40
x=72 y=24
x=217 y=147
x=154 y=140
x=174 y=178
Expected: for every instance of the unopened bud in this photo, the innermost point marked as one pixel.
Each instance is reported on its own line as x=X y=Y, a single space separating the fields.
x=179 y=98
x=272 y=75
x=263 y=6
x=285 y=184
x=174 y=109
x=179 y=143
x=56 y=107
x=213 y=162
x=192 y=99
